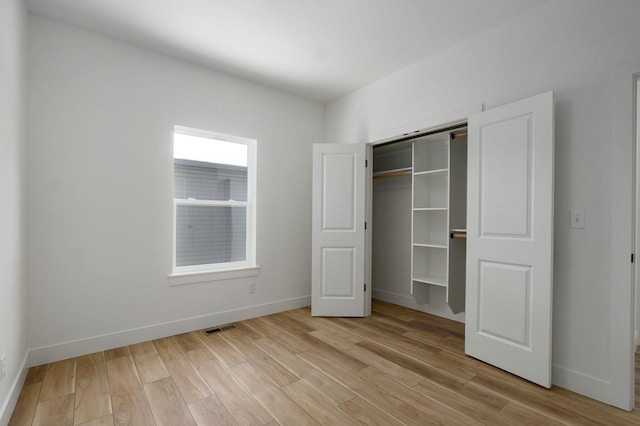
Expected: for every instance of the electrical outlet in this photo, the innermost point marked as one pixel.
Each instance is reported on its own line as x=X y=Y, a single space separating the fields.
x=252 y=288
x=577 y=219
x=3 y=367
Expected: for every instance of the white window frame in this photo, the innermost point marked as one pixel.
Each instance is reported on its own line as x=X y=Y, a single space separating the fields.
x=250 y=205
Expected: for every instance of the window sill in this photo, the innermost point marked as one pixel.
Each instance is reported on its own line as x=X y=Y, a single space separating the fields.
x=186 y=278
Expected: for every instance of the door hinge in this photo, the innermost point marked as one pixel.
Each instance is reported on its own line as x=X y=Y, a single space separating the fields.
x=632 y=257
x=365 y=226
x=366 y=163
x=365 y=287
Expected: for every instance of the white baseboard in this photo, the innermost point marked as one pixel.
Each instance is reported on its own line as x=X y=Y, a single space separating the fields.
x=581 y=383
x=66 y=350
x=410 y=302
x=9 y=404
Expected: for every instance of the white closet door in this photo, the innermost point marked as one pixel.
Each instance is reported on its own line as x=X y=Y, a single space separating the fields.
x=338 y=246
x=510 y=237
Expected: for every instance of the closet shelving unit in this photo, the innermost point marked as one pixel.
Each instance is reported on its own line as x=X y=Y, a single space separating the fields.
x=439 y=215
x=436 y=165
x=430 y=219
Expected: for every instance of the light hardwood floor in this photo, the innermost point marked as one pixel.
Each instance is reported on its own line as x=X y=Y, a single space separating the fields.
x=398 y=366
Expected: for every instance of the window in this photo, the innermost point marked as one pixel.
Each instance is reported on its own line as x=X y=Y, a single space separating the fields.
x=214 y=201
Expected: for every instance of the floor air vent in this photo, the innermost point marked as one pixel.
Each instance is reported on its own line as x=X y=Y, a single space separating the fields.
x=219 y=329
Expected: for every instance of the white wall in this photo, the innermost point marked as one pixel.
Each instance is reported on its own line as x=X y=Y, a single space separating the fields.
x=571 y=47
x=13 y=288
x=100 y=191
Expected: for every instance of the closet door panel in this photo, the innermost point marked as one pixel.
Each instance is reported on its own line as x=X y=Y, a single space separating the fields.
x=510 y=238
x=339 y=249
x=505 y=177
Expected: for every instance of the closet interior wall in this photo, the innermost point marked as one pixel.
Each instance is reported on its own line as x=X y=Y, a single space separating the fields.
x=392 y=233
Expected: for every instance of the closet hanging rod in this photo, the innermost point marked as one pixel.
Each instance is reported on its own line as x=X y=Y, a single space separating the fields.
x=458 y=233
x=391 y=174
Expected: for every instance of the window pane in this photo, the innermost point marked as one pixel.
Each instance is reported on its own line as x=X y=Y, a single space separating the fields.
x=210 y=234
x=209 y=181
x=210 y=150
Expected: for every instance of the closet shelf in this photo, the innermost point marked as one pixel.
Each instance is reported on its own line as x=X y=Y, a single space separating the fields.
x=432 y=172
x=406 y=171
x=430 y=245
x=429 y=209
x=439 y=281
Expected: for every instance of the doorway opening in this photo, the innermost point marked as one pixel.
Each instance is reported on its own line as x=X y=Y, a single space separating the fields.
x=418 y=200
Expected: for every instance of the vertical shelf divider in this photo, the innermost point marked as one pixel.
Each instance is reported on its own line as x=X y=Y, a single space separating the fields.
x=430 y=214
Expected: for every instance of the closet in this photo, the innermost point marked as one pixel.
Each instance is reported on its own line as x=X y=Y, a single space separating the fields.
x=419 y=219
x=398 y=227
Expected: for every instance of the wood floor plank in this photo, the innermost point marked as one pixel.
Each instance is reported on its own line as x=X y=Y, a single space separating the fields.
x=553 y=402
x=325 y=384
x=433 y=408
x=441 y=342
x=519 y=414
x=532 y=399
x=442 y=324
x=102 y=421
x=464 y=362
x=267 y=365
x=396 y=341
x=396 y=311
x=420 y=367
x=127 y=397
x=35 y=374
x=595 y=409
x=59 y=379
x=242 y=406
x=123 y=351
x=282 y=408
x=56 y=411
x=211 y=411
x=190 y=383
x=191 y=341
x=267 y=327
x=223 y=350
x=167 y=406
x=303 y=321
x=389 y=324
x=286 y=358
x=200 y=355
x=472 y=407
x=308 y=323
x=150 y=366
x=26 y=406
x=368 y=391
x=317 y=405
x=465 y=391
x=334 y=353
x=367 y=413
x=337 y=338
x=368 y=357
x=92 y=400
x=291 y=368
